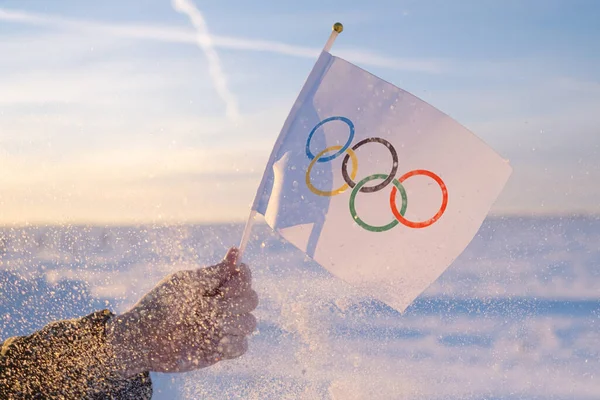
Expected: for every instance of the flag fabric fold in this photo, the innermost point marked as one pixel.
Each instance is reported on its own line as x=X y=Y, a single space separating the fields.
x=377 y=186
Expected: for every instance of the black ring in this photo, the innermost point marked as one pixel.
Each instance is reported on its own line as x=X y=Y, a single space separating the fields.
x=390 y=177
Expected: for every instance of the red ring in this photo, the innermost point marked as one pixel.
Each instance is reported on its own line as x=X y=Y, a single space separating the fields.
x=430 y=221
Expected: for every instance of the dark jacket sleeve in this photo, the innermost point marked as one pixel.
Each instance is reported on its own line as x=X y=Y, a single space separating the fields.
x=66 y=360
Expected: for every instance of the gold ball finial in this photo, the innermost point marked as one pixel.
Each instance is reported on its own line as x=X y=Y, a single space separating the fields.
x=338 y=27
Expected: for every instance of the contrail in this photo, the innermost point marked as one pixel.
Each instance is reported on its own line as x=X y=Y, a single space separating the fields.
x=214 y=63
x=175 y=35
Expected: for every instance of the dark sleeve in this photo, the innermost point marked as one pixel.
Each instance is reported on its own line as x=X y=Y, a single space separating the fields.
x=67 y=360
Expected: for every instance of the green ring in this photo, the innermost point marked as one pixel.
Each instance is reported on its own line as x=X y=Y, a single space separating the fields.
x=362 y=223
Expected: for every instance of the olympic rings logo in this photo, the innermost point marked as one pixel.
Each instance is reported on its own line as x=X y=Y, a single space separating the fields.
x=321 y=157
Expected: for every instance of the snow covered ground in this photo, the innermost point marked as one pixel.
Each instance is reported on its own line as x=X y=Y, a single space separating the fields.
x=517 y=316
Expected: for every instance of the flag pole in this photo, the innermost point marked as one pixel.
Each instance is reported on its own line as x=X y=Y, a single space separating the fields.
x=335 y=31
x=246 y=235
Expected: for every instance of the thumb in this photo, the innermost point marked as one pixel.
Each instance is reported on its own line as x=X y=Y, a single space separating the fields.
x=220 y=273
x=232 y=256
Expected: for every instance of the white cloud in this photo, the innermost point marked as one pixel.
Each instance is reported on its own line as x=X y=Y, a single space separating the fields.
x=102 y=136
x=74 y=91
x=168 y=185
x=178 y=35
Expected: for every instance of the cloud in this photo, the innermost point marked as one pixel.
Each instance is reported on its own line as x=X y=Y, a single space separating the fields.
x=89 y=165
x=178 y=35
x=153 y=184
x=75 y=89
x=101 y=136
x=205 y=43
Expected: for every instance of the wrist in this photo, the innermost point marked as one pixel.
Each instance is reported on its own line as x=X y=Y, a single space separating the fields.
x=123 y=344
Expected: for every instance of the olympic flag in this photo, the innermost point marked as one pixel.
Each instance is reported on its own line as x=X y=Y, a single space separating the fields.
x=376 y=185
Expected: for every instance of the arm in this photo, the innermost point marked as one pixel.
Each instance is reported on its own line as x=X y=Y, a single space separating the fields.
x=190 y=320
x=69 y=358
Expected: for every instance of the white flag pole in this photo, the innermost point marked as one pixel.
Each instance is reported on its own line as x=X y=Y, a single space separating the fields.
x=336 y=30
x=246 y=235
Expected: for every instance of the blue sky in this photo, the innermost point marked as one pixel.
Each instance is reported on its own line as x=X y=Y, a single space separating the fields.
x=109 y=113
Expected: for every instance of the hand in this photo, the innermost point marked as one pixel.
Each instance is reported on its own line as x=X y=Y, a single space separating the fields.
x=190 y=320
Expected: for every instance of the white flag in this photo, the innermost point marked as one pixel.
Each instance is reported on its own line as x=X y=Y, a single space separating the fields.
x=376 y=185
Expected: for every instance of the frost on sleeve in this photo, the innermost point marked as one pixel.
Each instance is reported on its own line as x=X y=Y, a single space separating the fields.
x=66 y=359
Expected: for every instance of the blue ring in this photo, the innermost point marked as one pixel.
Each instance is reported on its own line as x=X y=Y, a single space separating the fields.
x=340 y=151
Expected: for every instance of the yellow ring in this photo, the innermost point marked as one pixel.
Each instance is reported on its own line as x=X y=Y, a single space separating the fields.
x=342 y=188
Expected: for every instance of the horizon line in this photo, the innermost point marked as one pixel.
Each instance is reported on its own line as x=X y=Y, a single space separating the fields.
x=260 y=221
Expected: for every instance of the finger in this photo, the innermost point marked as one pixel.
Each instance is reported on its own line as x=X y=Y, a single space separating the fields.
x=242 y=304
x=240 y=282
x=227 y=266
x=233 y=346
x=243 y=271
x=181 y=282
x=193 y=361
x=239 y=325
x=216 y=275
x=232 y=256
